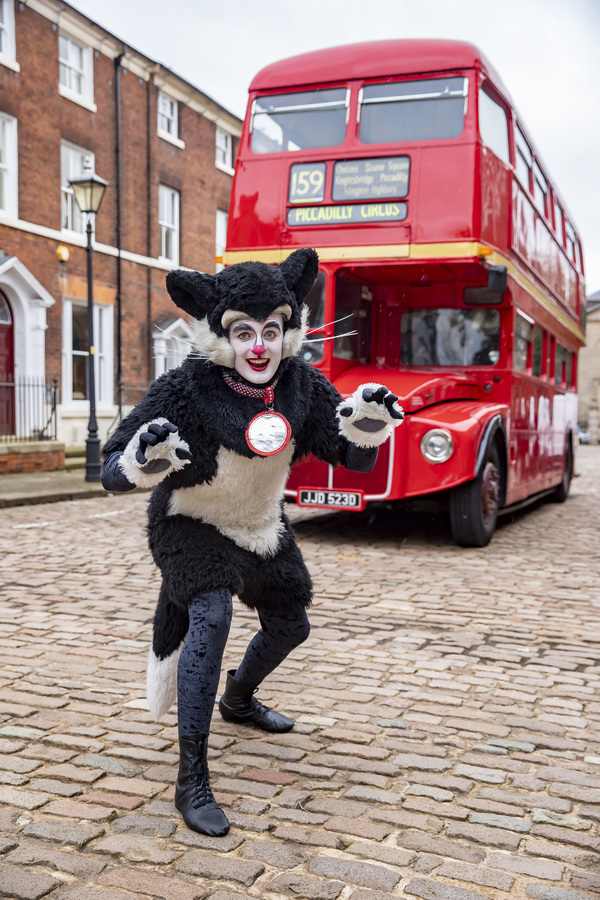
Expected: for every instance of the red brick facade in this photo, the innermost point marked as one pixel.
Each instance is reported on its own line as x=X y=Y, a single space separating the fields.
x=45 y=118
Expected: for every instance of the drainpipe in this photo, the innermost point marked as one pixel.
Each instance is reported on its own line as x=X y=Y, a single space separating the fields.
x=118 y=305
x=150 y=221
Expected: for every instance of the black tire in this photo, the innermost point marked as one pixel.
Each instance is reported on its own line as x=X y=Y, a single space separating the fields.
x=562 y=491
x=474 y=505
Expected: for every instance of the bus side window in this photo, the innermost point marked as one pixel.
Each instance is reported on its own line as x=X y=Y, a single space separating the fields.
x=312 y=349
x=538 y=346
x=523 y=159
x=493 y=126
x=559 y=365
x=569 y=370
x=523 y=330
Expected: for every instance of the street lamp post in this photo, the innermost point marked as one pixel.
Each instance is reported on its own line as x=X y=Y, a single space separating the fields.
x=88 y=189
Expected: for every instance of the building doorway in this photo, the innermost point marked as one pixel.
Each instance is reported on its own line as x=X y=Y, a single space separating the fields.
x=7 y=369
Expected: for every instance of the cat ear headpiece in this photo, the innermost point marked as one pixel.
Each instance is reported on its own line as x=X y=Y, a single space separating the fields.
x=251 y=289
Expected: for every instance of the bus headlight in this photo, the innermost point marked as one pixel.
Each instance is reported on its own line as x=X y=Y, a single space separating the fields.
x=437 y=445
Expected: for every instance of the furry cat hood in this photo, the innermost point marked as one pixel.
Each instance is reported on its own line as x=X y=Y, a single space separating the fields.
x=252 y=289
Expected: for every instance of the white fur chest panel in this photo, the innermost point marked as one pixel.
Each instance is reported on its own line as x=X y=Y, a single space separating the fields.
x=243 y=499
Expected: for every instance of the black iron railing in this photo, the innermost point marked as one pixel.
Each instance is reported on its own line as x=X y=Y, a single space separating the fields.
x=27 y=408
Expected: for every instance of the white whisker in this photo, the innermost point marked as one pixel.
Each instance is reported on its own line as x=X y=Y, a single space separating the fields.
x=181 y=340
x=333 y=337
x=327 y=324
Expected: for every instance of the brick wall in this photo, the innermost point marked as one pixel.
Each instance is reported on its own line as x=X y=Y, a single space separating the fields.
x=42 y=456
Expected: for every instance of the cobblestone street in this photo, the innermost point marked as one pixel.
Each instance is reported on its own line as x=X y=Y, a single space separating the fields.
x=447 y=744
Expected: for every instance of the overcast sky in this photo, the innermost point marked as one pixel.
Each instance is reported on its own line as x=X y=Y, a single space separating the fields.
x=546 y=51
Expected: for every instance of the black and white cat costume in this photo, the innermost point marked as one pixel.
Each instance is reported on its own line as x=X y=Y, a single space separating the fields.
x=216 y=524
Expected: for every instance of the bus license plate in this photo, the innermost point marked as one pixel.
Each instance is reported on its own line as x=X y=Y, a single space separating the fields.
x=329 y=499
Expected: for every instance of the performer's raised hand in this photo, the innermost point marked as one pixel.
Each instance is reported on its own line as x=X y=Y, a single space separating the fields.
x=369 y=415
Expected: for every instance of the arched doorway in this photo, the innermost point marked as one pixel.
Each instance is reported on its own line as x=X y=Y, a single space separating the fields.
x=7 y=369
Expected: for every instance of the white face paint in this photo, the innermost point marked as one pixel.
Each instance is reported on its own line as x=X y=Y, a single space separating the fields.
x=257 y=347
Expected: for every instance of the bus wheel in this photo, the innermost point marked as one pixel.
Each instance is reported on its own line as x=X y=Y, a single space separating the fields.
x=562 y=491
x=474 y=505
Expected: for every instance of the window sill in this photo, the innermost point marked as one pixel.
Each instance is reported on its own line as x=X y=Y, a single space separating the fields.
x=227 y=169
x=174 y=263
x=76 y=98
x=10 y=63
x=165 y=136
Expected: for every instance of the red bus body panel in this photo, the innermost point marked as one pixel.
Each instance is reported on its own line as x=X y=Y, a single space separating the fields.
x=462 y=197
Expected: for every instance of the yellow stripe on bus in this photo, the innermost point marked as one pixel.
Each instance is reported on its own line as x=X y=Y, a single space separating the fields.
x=450 y=250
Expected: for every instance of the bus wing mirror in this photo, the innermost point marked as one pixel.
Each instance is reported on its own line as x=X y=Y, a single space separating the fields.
x=497 y=279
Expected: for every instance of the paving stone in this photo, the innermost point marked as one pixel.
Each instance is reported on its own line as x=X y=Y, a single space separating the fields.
x=431 y=890
x=475 y=875
x=136 y=786
x=586 y=881
x=119 y=801
x=528 y=801
x=16 y=764
x=494 y=821
x=69 y=772
x=523 y=865
x=403 y=819
x=243 y=786
x=50 y=786
x=299 y=816
x=20 y=731
x=567 y=835
x=482 y=834
x=76 y=834
x=225 y=844
x=92 y=893
x=426 y=763
x=423 y=790
x=358 y=827
x=268 y=776
x=22 y=799
x=6 y=844
x=140 y=881
x=230 y=895
x=372 y=795
x=548 y=817
x=365 y=874
x=72 y=809
x=427 y=805
x=34 y=853
x=278 y=855
x=427 y=862
x=382 y=853
x=539 y=848
x=112 y=766
x=333 y=807
x=266 y=749
x=427 y=843
x=366 y=894
x=547 y=892
x=150 y=826
x=293 y=885
x=19 y=884
x=135 y=848
x=207 y=865
x=480 y=773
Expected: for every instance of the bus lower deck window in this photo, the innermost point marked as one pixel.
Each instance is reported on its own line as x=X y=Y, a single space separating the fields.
x=450 y=337
x=353 y=312
x=412 y=110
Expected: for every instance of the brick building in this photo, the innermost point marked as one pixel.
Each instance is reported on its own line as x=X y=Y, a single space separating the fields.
x=70 y=90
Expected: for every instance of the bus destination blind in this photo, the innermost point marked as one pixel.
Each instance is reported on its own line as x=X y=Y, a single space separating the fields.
x=384 y=177
x=347 y=214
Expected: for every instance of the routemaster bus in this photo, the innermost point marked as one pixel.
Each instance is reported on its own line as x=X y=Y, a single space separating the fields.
x=450 y=269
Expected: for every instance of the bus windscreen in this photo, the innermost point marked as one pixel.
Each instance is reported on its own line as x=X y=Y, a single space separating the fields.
x=412 y=110
x=450 y=337
x=299 y=121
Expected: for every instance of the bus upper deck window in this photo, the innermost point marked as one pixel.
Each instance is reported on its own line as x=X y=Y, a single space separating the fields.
x=523 y=158
x=450 y=337
x=299 y=121
x=412 y=110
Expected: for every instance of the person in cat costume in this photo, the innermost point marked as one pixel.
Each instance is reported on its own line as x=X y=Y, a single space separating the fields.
x=215 y=439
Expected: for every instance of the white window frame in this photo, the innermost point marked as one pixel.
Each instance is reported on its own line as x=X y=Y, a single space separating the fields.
x=221 y=220
x=165 y=225
x=85 y=97
x=69 y=170
x=103 y=356
x=167 y=120
x=9 y=163
x=224 y=151
x=8 y=47
x=171 y=345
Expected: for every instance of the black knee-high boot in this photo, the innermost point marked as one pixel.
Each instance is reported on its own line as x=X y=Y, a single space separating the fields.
x=238 y=704
x=193 y=796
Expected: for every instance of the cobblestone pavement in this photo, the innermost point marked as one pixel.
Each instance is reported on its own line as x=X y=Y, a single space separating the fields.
x=447 y=744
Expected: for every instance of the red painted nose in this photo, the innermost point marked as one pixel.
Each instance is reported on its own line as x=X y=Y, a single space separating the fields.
x=259 y=350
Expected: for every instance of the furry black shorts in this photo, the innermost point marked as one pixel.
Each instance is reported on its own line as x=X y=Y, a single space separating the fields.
x=195 y=557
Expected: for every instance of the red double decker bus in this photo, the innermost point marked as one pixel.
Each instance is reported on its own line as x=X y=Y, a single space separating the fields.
x=450 y=269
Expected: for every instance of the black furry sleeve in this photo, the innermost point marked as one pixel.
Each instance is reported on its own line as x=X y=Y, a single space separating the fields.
x=320 y=434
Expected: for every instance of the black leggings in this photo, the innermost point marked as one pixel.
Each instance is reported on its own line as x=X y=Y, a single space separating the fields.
x=202 y=654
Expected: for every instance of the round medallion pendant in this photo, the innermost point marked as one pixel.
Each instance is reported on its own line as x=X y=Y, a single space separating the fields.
x=268 y=433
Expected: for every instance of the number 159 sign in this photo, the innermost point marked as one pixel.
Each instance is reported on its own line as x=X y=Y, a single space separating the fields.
x=307 y=183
